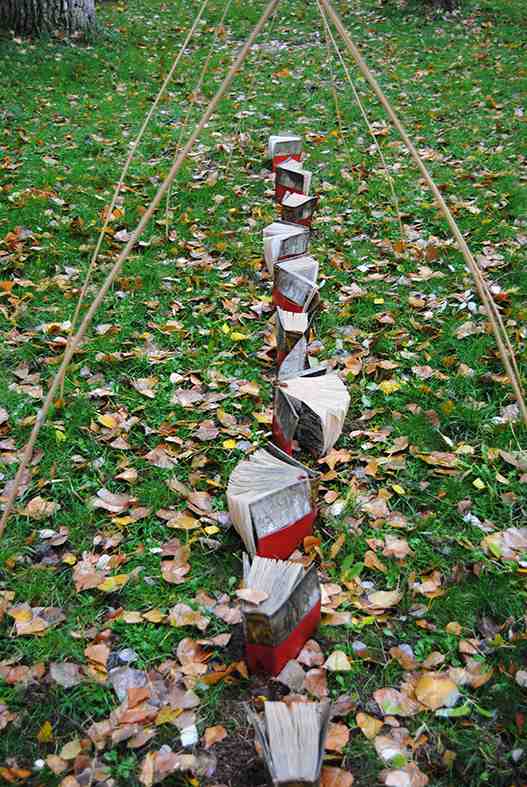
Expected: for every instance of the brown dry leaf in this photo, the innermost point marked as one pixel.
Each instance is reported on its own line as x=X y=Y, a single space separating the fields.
x=409 y=776
x=332 y=618
x=70 y=750
x=173 y=572
x=65 y=673
x=393 y=745
x=404 y=655
x=214 y=735
x=383 y=599
x=315 y=683
x=311 y=654
x=430 y=586
x=376 y=508
x=396 y=547
x=337 y=737
x=252 y=596
x=335 y=777
x=335 y=457
x=145 y=386
x=182 y=521
x=38 y=508
x=436 y=690
x=395 y=703
x=440 y=459
x=183 y=615
x=6 y=717
x=372 y=561
x=116 y=504
x=369 y=725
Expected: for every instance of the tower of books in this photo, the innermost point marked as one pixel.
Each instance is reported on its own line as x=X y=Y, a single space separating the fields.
x=272 y=496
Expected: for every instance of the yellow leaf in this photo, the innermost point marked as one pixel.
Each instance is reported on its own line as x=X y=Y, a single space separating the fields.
x=479 y=484
x=389 y=386
x=60 y=437
x=167 y=715
x=108 y=421
x=45 y=733
x=229 y=444
x=263 y=418
x=113 y=583
x=400 y=490
x=69 y=559
x=238 y=337
x=154 y=616
x=369 y=725
x=378 y=300
x=122 y=521
x=211 y=530
x=225 y=329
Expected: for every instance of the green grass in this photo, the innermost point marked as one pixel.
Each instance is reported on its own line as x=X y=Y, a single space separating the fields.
x=70 y=112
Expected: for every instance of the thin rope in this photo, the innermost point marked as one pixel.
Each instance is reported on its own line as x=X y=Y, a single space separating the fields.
x=366 y=120
x=128 y=162
x=195 y=92
x=123 y=256
x=505 y=348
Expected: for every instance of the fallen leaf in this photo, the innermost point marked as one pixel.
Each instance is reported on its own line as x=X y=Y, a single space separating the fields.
x=337 y=737
x=214 y=735
x=369 y=725
x=338 y=662
x=335 y=777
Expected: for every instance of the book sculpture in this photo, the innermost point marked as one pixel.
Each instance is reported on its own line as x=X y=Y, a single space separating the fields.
x=284 y=146
x=277 y=629
x=292 y=337
x=295 y=286
x=271 y=499
x=298 y=208
x=292 y=740
x=310 y=408
x=291 y=176
x=282 y=240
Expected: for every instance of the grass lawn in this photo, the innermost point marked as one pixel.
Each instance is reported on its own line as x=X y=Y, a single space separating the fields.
x=431 y=470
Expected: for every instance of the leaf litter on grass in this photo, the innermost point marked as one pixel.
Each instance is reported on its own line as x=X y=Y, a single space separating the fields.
x=422 y=500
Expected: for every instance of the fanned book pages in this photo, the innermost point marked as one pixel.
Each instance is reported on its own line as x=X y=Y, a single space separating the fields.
x=292 y=337
x=282 y=240
x=277 y=629
x=298 y=208
x=310 y=408
x=284 y=146
x=295 y=286
x=292 y=738
x=291 y=176
x=272 y=502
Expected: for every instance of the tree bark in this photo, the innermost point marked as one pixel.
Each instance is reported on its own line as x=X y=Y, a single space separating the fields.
x=33 y=17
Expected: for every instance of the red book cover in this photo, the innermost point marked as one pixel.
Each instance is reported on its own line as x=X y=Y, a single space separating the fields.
x=277 y=160
x=281 y=544
x=280 y=439
x=273 y=658
x=284 y=303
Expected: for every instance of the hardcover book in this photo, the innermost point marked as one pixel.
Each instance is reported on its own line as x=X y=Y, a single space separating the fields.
x=295 y=284
x=277 y=629
x=298 y=208
x=292 y=740
x=310 y=408
x=272 y=502
x=291 y=176
x=282 y=240
x=292 y=337
x=284 y=146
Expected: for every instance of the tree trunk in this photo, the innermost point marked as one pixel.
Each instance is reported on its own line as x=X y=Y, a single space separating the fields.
x=32 y=17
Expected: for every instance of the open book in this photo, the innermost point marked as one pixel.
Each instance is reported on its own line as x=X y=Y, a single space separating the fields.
x=310 y=408
x=292 y=337
x=272 y=502
x=298 y=208
x=282 y=240
x=295 y=286
x=292 y=740
x=291 y=176
x=277 y=629
x=284 y=146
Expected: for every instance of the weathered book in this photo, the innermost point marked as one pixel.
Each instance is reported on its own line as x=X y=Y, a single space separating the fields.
x=310 y=408
x=292 y=337
x=295 y=286
x=272 y=502
x=291 y=176
x=298 y=208
x=284 y=146
x=277 y=629
x=282 y=241
x=292 y=740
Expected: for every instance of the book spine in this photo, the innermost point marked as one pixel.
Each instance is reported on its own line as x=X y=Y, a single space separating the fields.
x=282 y=544
x=282 y=189
x=272 y=659
x=283 y=442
